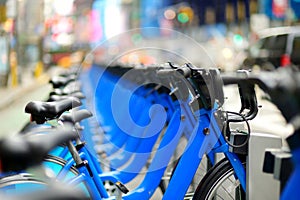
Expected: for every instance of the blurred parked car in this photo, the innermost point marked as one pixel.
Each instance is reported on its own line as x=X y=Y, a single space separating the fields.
x=276 y=47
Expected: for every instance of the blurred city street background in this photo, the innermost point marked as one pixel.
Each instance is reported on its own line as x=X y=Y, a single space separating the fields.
x=39 y=36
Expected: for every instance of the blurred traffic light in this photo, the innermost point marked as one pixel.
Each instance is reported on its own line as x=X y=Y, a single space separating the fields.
x=183 y=18
x=185 y=14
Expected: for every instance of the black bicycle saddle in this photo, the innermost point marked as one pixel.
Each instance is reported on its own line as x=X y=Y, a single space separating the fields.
x=70 y=88
x=55 y=97
x=59 y=81
x=75 y=116
x=43 y=111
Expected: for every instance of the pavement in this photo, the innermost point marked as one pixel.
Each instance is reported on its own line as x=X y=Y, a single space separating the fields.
x=14 y=99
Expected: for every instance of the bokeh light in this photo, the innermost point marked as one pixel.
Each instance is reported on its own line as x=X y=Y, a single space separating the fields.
x=169 y=14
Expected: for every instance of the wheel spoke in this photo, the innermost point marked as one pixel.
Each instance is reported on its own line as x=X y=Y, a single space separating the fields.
x=232 y=181
x=220 y=196
x=219 y=183
x=227 y=192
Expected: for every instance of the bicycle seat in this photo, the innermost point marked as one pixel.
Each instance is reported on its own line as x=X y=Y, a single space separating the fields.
x=19 y=152
x=73 y=71
x=59 y=81
x=55 y=97
x=71 y=88
x=75 y=116
x=43 y=111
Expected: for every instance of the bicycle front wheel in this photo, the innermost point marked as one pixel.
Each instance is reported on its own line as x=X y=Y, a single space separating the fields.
x=220 y=182
x=20 y=184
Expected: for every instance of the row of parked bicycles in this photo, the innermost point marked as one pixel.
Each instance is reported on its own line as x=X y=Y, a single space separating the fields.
x=163 y=127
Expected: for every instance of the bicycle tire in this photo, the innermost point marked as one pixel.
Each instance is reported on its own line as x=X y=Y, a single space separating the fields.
x=199 y=174
x=51 y=159
x=20 y=184
x=30 y=182
x=12 y=188
x=61 y=162
x=72 y=171
x=213 y=180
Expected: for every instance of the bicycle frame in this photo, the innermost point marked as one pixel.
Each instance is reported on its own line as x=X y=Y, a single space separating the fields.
x=89 y=173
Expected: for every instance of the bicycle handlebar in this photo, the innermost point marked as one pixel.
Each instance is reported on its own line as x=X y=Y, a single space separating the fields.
x=281 y=83
x=205 y=83
x=231 y=79
x=283 y=86
x=184 y=70
x=249 y=106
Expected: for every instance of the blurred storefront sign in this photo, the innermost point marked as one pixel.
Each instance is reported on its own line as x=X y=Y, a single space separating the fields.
x=279 y=8
x=274 y=9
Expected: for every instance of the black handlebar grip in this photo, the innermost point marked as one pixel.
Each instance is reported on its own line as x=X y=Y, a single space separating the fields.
x=231 y=79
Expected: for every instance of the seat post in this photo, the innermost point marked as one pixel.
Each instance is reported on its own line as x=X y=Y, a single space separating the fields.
x=74 y=153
